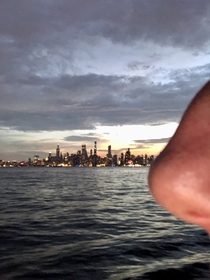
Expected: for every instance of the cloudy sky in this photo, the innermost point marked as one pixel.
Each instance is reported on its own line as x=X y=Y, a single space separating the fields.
x=118 y=72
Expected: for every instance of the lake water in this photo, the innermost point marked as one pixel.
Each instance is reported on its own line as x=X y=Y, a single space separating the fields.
x=93 y=223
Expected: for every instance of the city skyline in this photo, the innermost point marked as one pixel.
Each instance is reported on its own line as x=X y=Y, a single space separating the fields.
x=117 y=72
x=84 y=152
x=83 y=159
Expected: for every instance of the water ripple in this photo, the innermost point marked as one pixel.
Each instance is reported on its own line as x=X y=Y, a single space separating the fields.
x=93 y=223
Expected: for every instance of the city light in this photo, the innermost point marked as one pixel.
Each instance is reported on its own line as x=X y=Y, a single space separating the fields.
x=82 y=159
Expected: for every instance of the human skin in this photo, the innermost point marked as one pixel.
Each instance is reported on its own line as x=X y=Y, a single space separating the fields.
x=179 y=179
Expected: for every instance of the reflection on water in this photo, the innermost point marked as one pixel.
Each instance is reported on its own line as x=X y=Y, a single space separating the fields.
x=93 y=223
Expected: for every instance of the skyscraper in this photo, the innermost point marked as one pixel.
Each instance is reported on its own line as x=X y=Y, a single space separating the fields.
x=95 y=156
x=127 y=156
x=121 y=159
x=84 y=152
x=57 y=151
x=109 y=155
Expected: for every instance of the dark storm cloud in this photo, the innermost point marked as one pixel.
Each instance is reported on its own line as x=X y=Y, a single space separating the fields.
x=167 y=22
x=38 y=121
x=79 y=102
x=38 y=40
x=87 y=87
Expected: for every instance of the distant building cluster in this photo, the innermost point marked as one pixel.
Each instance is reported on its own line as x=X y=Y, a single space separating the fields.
x=82 y=159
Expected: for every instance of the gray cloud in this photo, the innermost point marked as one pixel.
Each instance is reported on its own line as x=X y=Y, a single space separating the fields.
x=81 y=138
x=48 y=79
x=184 y=23
x=136 y=65
x=141 y=147
x=79 y=102
x=153 y=141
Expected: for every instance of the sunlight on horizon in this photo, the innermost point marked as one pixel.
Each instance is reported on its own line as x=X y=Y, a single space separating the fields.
x=139 y=138
x=126 y=134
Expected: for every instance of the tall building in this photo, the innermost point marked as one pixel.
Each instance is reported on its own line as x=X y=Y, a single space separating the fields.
x=95 y=155
x=151 y=159
x=84 y=152
x=115 y=160
x=109 y=155
x=127 y=156
x=57 y=151
x=145 y=159
x=122 y=159
x=66 y=157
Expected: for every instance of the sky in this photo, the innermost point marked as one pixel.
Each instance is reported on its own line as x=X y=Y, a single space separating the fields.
x=118 y=72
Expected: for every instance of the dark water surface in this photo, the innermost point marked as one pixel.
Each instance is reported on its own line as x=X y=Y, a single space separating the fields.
x=93 y=223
